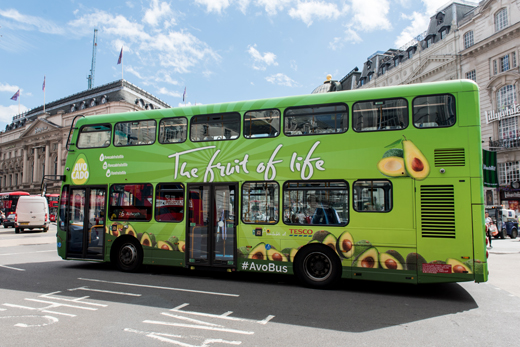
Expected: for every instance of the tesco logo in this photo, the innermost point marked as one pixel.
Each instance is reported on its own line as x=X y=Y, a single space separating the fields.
x=301 y=231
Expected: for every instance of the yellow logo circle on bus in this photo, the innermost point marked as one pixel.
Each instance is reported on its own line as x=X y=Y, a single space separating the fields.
x=80 y=172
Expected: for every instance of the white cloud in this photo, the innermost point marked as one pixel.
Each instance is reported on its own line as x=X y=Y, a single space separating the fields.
x=272 y=6
x=214 y=5
x=242 y=5
x=164 y=77
x=294 y=66
x=261 y=60
x=7 y=112
x=419 y=24
x=129 y=4
x=349 y=36
x=8 y=88
x=156 y=12
x=433 y=5
x=306 y=11
x=42 y=25
x=170 y=93
x=130 y=69
x=281 y=80
x=189 y=104
x=370 y=15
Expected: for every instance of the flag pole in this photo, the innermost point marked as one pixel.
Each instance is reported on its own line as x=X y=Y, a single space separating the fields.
x=121 y=63
x=43 y=94
x=19 y=105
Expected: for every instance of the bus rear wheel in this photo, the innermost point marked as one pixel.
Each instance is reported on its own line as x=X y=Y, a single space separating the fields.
x=317 y=267
x=128 y=256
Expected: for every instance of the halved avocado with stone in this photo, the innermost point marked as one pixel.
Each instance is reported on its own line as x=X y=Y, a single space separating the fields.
x=293 y=254
x=368 y=259
x=392 y=167
x=166 y=246
x=275 y=255
x=181 y=246
x=415 y=162
x=320 y=235
x=361 y=247
x=458 y=267
x=414 y=260
x=129 y=230
x=258 y=252
x=345 y=245
x=147 y=239
x=331 y=241
x=391 y=260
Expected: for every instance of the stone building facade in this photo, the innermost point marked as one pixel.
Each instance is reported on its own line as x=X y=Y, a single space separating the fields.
x=34 y=144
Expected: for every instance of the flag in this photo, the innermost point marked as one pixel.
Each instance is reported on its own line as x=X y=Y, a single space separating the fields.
x=120 y=57
x=184 y=95
x=16 y=95
x=43 y=87
x=489 y=161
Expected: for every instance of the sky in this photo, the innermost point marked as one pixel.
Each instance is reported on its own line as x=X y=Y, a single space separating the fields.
x=219 y=50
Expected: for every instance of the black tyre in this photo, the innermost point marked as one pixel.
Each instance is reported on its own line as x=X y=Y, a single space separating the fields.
x=5 y=226
x=45 y=230
x=16 y=230
x=503 y=234
x=128 y=256
x=514 y=234
x=317 y=266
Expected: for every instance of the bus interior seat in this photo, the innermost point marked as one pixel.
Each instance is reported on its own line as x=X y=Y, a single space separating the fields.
x=325 y=216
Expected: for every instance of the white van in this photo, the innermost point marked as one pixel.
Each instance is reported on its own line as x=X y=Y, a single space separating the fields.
x=32 y=212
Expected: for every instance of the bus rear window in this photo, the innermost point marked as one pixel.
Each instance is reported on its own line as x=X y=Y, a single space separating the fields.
x=434 y=111
x=372 y=196
x=259 y=124
x=130 y=202
x=94 y=136
x=135 y=133
x=315 y=203
x=173 y=130
x=169 y=202
x=215 y=127
x=315 y=120
x=378 y=115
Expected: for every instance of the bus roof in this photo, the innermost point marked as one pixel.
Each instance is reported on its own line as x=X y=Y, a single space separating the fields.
x=14 y=193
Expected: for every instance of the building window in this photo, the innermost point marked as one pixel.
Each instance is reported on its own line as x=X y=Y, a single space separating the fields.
x=468 y=39
x=472 y=75
x=370 y=77
x=383 y=69
x=443 y=34
x=361 y=81
x=56 y=165
x=506 y=96
x=501 y=19
x=507 y=128
x=429 y=42
x=410 y=54
x=504 y=63
x=396 y=62
x=508 y=172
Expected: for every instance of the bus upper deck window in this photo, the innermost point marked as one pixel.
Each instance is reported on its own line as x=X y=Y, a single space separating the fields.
x=316 y=120
x=260 y=124
x=173 y=130
x=94 y=136
x=135 y=133
x=215 y=127
x=379 y=115
x=433 y=111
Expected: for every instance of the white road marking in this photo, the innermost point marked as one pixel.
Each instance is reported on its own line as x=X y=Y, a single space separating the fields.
x=12 y=268
x=189 y=319
x=159 y=287
x=55 y=304
x=166 y=338
x=3 y=309
x=200 y=327
x=27 y=252
x=39 y=309
x=222 y=316
x=103 y=291
x=50 y=320
x=51 y=296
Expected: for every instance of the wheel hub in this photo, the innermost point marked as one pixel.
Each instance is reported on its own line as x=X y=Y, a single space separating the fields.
x=128 y=254
x=317 y=266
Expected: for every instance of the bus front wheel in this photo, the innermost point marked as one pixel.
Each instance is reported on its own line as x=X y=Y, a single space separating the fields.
x=317 y=266
x=128 y=256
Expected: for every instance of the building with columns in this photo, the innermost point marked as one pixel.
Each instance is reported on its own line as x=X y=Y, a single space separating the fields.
x=34 y=144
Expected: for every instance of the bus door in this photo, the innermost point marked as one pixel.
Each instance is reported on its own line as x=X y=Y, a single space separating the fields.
x=444 y=226
x=211 y=225
x=86 y=222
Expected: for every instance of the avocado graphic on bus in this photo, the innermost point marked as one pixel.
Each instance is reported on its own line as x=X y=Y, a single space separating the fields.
x=258 y=252
x=416 y=164
x=331 y=241
x=320 y=235
x=146 y=239
x=391 y=260
x=165 y=245
x=182 y=246
x=414 y=260
x=275 y=255
x=368 y=259
x=345 y=245
x=458 y=267
x=392 y=163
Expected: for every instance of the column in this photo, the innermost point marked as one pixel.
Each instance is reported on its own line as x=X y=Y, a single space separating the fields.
x=35 y=166
x=47 y=162
x=60 y=170
x=25 y=167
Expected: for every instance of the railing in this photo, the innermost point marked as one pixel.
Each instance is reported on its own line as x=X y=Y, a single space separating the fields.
x=504 y=144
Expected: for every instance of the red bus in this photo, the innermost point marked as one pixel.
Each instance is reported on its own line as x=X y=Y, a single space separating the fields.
x=9 y=200
x=53 y=199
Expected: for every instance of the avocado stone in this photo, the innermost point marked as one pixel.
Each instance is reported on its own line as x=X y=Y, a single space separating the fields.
x=320 y=235
x=345 y=245
x=166 y=245
x=258 y=252
x=368 y=259
x=392 y=167
x=413 y=260
x=458 y=267
x=415 y=162
x=181 y=246
x=391 y=260
x=275 y=255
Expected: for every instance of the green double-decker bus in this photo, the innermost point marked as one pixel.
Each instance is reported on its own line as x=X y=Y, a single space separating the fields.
x=378 y=184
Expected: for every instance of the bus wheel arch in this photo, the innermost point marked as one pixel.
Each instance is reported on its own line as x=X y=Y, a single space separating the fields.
x=317 y=266
x=126 y=253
